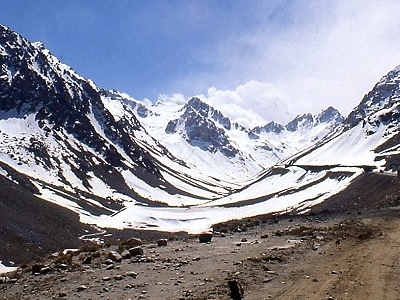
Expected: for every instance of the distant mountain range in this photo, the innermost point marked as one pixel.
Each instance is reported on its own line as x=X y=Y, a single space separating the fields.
x=117 y=162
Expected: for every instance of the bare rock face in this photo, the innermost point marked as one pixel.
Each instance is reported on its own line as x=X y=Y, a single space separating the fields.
x=378 y=107
x=269 y=127
x=204 y=127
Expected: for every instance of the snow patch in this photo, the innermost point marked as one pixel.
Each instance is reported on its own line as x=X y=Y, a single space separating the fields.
x=4 y=269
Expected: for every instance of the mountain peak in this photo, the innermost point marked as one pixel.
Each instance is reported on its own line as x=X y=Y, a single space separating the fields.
x=305 y=120
x=381 y=104
x=271 y=127
x=200 y=124
x=196 y=102
x=196 y=105
x=330 y=114
x=33 y=79
x=64 y=105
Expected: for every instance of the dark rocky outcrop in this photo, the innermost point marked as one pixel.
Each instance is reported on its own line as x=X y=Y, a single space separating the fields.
x=305 y=120
x=204 y=127
x=205 y=237
x=380 y=105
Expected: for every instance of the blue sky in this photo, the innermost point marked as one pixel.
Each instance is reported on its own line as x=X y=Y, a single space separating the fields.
x=270 y=59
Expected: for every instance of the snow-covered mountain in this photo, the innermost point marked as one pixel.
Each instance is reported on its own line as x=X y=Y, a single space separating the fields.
x=202 y=136
x=332 y=152
x=119 y=162
x=370 y=134
x=56 y=129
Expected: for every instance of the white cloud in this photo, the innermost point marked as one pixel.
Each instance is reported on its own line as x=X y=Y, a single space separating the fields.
x=339 y=59
x=302 y=56
x=318 y=53
x=177 y=98
x=251 y=104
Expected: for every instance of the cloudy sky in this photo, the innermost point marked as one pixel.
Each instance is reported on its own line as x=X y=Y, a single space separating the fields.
x=269 y=59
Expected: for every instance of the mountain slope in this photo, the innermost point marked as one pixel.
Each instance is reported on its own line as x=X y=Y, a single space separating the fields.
x=370 y=135
x=29 y=225
x=39 y=91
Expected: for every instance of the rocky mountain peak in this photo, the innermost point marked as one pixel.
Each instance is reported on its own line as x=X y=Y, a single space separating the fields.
x=305 y=120
x=330 y=115
x=65 y=105
x=197 y=106
x=32 y=79
x=271 y=127
x=381 y=104
x=203 y=126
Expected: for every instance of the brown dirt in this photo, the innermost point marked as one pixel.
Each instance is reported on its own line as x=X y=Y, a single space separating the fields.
x=346 y=248
x=302 y=258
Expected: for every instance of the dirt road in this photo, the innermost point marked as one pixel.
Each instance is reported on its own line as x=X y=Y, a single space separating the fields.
x=350 y=268
x=341 y=257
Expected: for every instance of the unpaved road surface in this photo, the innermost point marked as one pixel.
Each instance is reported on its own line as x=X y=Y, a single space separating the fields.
x=346 y=256
x=351 y=268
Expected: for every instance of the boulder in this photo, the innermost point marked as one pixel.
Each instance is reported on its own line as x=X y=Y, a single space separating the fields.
x=62 y=267
x=3 y=280
x=136 y=251
x=236 y=289
x=133 y=242
x=126 y=254
x=45 y=270
x=37 y=267
x=205 y=237
x=82 y=288
x=130 y=274
x=162 y=242
x=114 y=256
x=87 y=260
